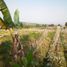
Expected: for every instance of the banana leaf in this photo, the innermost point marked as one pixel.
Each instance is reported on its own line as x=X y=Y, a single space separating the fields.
x=6 y=14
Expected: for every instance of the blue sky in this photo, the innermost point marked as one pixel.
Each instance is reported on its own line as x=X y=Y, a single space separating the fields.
x=40 y=11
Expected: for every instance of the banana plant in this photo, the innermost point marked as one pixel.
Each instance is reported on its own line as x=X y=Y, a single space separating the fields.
x=6 y=14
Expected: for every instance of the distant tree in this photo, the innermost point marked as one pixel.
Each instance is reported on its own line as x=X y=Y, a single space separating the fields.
x=59 y=25
x=38 y=25
x=65 y=23
x=44 y=25
x=51 y=25
x=20 y=24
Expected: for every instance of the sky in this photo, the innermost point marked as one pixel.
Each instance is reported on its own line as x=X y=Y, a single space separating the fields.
x=39 y=11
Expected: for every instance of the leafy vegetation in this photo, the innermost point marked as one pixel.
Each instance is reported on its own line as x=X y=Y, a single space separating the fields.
x=64 y=42
x=6 y=14
x=66 y=24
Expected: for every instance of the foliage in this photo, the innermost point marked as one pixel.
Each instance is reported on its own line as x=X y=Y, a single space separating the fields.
x=17 y=22
x=16 y=17
x=6 y=14
x=51 y=25
x=51 y=34
x=29 y=60
x=5 y=55
x=64 y=43
x=65 y=23
x=2 y=24
x=35 y=35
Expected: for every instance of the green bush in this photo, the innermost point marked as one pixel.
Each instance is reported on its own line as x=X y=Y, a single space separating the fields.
x=5 y=53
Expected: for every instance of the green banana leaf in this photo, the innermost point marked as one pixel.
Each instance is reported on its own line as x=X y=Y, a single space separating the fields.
x=6 y=14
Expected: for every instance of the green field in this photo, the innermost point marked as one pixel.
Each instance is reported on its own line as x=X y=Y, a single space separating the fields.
x=37 y=46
